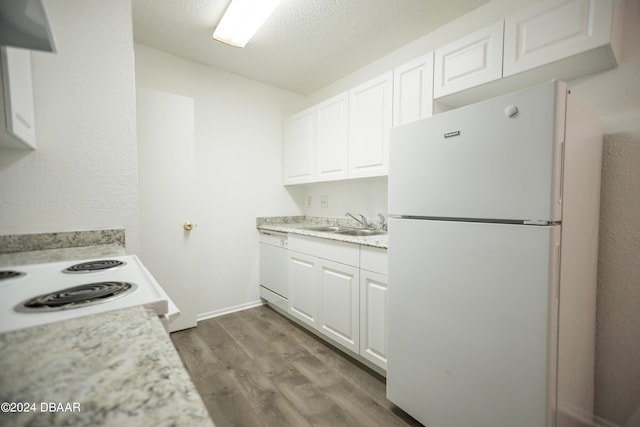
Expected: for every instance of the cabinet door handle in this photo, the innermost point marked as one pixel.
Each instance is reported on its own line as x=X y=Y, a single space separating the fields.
x=187 y=226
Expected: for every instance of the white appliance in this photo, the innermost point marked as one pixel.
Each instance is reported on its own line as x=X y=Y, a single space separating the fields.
x=274 y=282
x=37 y=294
x=492 y=262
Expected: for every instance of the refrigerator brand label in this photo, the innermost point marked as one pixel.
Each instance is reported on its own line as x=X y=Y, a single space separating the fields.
x=452 y=134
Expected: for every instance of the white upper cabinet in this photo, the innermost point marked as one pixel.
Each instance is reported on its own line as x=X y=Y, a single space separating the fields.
x=551 y=39
x=370 y=112
x=25 y=25
x=299 y=148
x=18 y=129
x=332 y=143
x=470 y=61
x=348 y=136
x=413 y=90
x=553 y=30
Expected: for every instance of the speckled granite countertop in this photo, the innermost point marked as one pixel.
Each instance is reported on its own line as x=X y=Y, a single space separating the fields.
x=63 y=254
x=117 y=368
x=296 y=225
x=21 y=249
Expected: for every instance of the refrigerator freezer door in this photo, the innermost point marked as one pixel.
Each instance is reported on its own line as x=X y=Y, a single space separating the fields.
x=472 y=321
x=499 y=159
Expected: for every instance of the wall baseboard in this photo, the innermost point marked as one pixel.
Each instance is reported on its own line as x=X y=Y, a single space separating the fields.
x=228 y=310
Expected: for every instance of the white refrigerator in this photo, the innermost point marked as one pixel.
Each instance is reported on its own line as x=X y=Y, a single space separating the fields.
x=493 y=236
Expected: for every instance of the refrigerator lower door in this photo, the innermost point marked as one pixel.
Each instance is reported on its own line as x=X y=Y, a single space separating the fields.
x=472 y=322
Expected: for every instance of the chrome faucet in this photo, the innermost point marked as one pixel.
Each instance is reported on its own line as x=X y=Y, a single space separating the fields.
x=383 y=222
x=362 y=221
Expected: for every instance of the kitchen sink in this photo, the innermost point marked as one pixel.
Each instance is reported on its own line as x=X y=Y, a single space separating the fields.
x=327 y=228
x=360 y=232
x=347 y=231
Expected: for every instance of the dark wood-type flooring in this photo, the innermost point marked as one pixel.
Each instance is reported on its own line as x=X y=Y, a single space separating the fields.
x=257 y=368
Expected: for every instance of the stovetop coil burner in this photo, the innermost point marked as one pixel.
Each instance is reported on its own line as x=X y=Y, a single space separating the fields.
x=11 y=274
x=93 y=266
x=76 y=297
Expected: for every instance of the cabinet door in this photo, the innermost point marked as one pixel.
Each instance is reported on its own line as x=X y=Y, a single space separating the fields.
x=470 y=61
x=18 y=97
x=369 y=123
x=373 y=317
x=339 y=303
x=299 y=148
x=413 y=90
x=303 y=287
x=552 y=30
x=332 y=132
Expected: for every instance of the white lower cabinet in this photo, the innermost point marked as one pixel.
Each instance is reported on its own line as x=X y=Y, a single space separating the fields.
x=339 y=290
x=339 y=303
x=373 y=317
x=373 y=305
x=303 y=287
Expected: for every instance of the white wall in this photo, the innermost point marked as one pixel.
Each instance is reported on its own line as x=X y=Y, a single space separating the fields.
x=615 y=96
x=84 y=173
x=361 y=196
x=238 y=144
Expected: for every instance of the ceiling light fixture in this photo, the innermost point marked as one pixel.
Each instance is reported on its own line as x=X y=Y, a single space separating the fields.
x=242 y=19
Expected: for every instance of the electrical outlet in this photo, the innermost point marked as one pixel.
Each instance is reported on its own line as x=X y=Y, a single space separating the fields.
x=309 y=200
x=324 y=201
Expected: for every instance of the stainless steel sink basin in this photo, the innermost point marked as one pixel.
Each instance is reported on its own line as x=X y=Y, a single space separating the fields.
x=360 y=232
x=347 y=231
x=327 y=228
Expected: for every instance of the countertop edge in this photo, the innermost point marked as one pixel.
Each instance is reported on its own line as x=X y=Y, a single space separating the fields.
x=119 y=367
x=377 y=241
x=60 y=254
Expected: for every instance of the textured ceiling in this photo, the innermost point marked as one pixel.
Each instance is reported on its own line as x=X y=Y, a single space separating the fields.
x=305 y=45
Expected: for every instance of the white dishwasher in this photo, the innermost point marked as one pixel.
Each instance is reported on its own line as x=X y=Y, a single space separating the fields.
x=274 y=286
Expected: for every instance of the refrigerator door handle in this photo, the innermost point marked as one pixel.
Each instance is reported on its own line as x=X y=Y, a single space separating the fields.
x=538 y=222
x=556 y=291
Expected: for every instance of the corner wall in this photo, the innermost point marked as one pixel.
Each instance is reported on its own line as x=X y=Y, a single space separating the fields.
x=615 y=97
x=84 y=173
